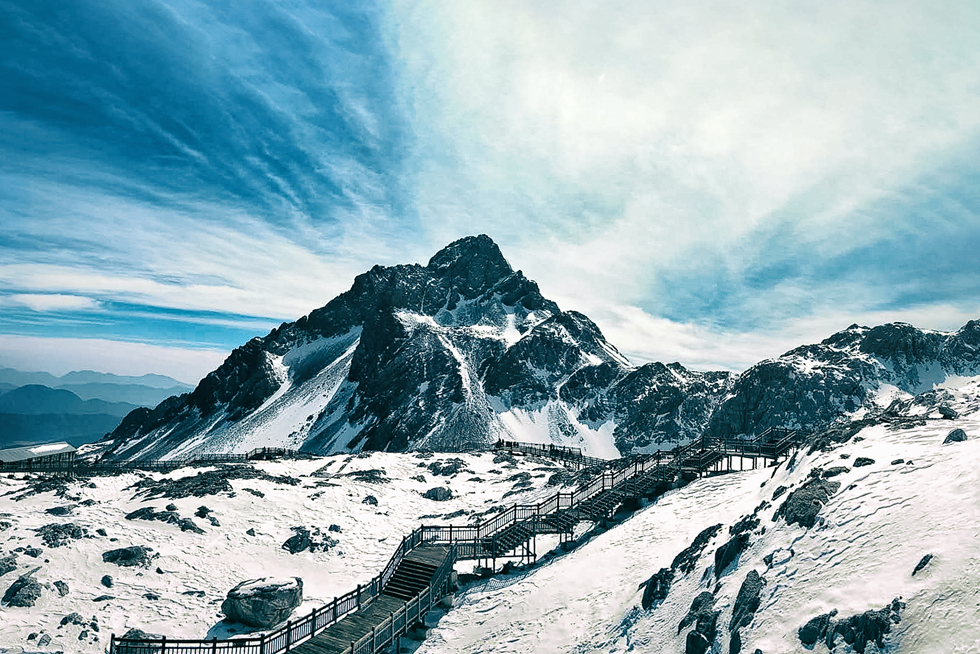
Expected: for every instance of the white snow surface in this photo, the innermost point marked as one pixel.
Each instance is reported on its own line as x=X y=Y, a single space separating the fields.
x=224 y=556
x=859 y=556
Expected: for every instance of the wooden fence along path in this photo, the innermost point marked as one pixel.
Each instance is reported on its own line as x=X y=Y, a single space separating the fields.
x=373 y=616
x=76 y=467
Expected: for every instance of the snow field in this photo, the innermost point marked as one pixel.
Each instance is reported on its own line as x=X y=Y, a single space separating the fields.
x=199 y=569
x=859 y=556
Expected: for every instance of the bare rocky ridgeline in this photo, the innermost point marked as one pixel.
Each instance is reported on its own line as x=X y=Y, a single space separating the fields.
x=419 y=357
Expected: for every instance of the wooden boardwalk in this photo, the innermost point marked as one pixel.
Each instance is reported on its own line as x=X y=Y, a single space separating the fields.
x=337 y=639
x=368 y=619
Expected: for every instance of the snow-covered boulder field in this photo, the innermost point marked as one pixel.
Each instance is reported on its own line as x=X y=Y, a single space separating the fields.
x=160 y=552
x=899 y=494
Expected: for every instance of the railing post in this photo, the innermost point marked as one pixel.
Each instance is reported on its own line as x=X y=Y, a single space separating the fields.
x=313 y=622
x=112 y=643
x=334 y=610
x=289 y=634
x=163 y=645
x=357 y=599
x=214 y=644
x=262 y=644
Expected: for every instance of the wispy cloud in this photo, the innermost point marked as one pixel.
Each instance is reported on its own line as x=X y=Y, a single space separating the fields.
x=705 y=179
x=52 y=302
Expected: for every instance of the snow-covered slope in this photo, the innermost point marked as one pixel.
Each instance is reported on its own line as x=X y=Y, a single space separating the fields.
x=917 y=497
x=180 y=592
x=840 y=528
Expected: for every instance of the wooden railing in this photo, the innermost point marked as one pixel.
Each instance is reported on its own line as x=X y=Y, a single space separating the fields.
x=96 y=467
x=466 y=542
x=560 y=452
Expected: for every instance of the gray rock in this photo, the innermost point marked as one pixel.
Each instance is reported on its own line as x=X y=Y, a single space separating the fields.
x=870 y=626
x=922 y=563
x=438 y=493
x=186 y=524
x=862 y=461
x=23 y=592
x=370 y=500
x=700 y=639
x=263 y=603
x=657 y=588
x=250 y=531
x=955 y=436
x=815 y=629
x=898 y=462
x=729 y=552
x=747 y=601
x=802 y=505
x=73 y=618
x=103 y=598
x=59 y=510
x=8 y=564
x=107 y=581
x=44 y=640
x=836 y=470
x=62 y=588
x=687 y=558
x=133 y=556
x=139 y=634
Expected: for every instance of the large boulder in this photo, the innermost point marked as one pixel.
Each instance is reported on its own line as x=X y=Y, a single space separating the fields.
x=263 y=603
x=23 y=592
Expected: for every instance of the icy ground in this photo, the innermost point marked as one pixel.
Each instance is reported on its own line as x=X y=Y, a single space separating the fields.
x=859 y=556
x=199 y=569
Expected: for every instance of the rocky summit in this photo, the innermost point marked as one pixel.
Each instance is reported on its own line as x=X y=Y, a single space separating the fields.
x=465 y=350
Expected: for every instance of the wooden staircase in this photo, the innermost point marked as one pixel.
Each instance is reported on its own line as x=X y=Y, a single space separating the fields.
x=409 y=579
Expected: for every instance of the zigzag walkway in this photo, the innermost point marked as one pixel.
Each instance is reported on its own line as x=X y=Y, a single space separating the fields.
x=371 y=617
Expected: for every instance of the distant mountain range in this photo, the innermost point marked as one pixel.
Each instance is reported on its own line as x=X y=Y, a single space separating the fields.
x=465 y=350
x=78 y=407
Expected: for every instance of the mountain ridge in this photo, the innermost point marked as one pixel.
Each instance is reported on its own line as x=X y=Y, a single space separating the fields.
x=466 y=350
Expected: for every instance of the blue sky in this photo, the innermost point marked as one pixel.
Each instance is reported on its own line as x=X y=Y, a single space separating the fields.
x=711 y=182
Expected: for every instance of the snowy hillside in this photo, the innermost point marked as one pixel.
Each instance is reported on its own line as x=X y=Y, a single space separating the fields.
x=825 y=543
x=255 y=510
x=916 y=497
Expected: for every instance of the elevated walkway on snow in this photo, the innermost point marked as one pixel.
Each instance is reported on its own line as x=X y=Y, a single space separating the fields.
x=368 y=619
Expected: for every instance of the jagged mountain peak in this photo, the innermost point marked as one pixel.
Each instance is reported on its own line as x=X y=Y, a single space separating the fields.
x=466 y=350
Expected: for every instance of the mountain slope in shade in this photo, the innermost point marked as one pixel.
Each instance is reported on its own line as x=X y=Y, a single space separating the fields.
x=465 y=350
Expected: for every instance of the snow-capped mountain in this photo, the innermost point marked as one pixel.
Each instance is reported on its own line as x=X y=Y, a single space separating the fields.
x=466 y=350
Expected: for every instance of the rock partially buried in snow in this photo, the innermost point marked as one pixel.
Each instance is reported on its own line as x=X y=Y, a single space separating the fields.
x=955 y=436
x=263 y=603
x=439 y=494
x=134 y=556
